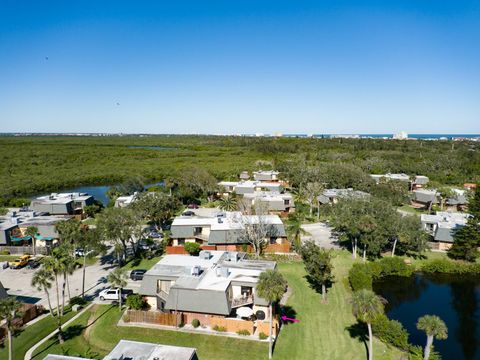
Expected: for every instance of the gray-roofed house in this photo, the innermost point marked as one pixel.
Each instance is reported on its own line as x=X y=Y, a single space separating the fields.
x=442 y=226
x=274 y=202
x=224 y=231
x=331 y=196
x=457 y=201
x=266 y=175
x=213 y=284
x=425 y=197
x=62 y=203
x=135 y=350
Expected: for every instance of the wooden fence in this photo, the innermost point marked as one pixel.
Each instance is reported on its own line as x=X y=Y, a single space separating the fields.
x=20 y=250
x=153 y=317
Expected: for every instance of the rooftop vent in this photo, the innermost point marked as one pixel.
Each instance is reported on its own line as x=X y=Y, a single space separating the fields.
x=206 y=255
x=222 y=272
x=196 y=270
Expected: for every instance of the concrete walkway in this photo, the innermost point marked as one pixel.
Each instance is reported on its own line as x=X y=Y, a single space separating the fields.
x=29 y=353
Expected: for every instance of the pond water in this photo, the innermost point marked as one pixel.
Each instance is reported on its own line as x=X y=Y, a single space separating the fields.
x=456 y=299
x=99 y=192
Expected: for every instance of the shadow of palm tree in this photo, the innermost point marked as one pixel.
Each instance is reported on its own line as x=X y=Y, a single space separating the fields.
x=287 y=311
x=359 y=331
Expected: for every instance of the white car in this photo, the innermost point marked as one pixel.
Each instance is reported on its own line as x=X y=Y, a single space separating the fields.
x=112 y=294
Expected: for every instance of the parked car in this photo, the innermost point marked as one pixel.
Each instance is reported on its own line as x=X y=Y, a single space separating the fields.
x=137 y=274
x=154 y=235
x=188 y=213
x=112 y=294
x=79 y=252
x=33 y=264
x=192 y=206
x=20 y=262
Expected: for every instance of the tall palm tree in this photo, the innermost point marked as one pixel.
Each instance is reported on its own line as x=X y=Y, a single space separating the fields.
x=51 y=265
x=271 y=287
x=118 y=278
x=228 y=203
x=42 y=280
x=32 y=231
x=366 y=305
x=434 y=327
x=295 y=230
x=8 y=309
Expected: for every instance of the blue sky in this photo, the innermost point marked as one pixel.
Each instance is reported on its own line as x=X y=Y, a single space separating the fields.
x=240 y=66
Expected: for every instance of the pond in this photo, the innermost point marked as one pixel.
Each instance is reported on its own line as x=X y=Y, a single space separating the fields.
x=455 y=298
x=99 y=192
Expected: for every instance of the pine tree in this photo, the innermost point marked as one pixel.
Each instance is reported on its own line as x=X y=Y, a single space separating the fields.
x=466 y=241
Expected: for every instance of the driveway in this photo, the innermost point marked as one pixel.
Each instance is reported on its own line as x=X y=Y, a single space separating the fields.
x=18 y=283
x=321 y=234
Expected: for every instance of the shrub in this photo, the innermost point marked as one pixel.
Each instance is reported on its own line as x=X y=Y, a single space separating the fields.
x=219 y=328
x=77 y=300
x=450 y=267
x=181 y=325
x=135 y=301
x=391 y=332
x=262 y=336
x=360 y=277
x=126 y=318
x=195 y=323
x=192 y=248
x=393 y=266
x=4 y=252
x=243 y=332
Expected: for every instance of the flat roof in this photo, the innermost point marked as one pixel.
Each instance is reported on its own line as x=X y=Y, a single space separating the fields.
x=136 y=350
x=62 y=198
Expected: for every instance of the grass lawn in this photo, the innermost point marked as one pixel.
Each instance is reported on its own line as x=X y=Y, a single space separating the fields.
x=90 y=221
x=141 y=263
x=412 y=210
x=8 y=257
x=98 y=339
x=322 y=333
x=24 y=340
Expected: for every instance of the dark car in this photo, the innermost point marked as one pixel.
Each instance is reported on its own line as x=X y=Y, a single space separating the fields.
x=137 y=274
x=33 y=264
x=188 y=213
x=192 y=206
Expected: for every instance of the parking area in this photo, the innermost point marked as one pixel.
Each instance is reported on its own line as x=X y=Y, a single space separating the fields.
x=321 y=234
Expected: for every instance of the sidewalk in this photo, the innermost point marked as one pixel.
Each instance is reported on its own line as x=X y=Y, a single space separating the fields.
x=29 y=353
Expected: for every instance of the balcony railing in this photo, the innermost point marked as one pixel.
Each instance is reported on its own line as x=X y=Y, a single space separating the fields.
x=241 y=301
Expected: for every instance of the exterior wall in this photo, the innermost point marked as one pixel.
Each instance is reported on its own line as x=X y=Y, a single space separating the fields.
x=261 y=308
x=152 y=302
x=59 y=209
x=232 y=325
x=263 y=326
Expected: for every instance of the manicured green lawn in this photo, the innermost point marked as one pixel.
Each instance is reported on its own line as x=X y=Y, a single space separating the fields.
x=412 y=210
x=24 y=340
x=103 y=335
x=141 y=264
x=8 y=257
x=322 y=333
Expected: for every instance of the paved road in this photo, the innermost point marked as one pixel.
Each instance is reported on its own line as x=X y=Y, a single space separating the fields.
x=18 y=283
x=321 y=234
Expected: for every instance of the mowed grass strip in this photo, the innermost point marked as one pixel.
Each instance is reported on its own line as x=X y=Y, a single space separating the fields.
x=322 y=332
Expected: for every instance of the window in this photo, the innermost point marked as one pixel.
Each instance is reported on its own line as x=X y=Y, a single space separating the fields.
x=286 y=202
x=197 y=230
x=181 y=241
x=246 y=291
x=273 y=240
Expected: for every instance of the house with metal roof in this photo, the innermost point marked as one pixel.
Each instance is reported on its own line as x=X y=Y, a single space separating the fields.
x=135 y=350
x=272 y=201
x=331 y=196
x=215 y=283
x=397 y=177
x=62 y=203
x=443 y=225
x=124 y=201
x=224 y=229
x=266 y=175
x=249 y=187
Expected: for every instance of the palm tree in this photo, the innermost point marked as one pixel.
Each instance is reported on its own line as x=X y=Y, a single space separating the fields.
x=295 y=230
x=271 y=287
x=52 y=266
x=433 y=327
x=8 y=309
x=32 y=231
x=366 y=305
x=118 y=278
x=228 y=203
x=42 y=280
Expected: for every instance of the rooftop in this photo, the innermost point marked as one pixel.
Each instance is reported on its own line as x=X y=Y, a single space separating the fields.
x=135 y=350
x=62 y=198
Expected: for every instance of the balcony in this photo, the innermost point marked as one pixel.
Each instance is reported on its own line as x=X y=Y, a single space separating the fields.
x=242 y=301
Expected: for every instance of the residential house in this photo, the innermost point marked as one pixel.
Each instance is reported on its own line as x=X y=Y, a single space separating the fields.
x=266 y=175
x=331 y=196
x=397 y=177
x=272 y=201
x=14 y=224
x=425 y=198
x=457 y=201
x=124 y=201
x=442 y=226
x=211 y=287
x=62 y=203
x=419 y=182
x=244 y=175
x=135 y=350
x=249 y=187
x=225 y=231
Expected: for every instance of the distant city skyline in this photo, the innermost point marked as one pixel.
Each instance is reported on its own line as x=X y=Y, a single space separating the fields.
x=210 y=67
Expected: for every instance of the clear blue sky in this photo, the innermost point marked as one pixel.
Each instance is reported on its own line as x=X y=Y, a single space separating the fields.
x=240 y=66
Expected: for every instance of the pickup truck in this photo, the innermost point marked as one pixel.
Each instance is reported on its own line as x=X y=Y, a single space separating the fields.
x=112 y=294
x=20 y=262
